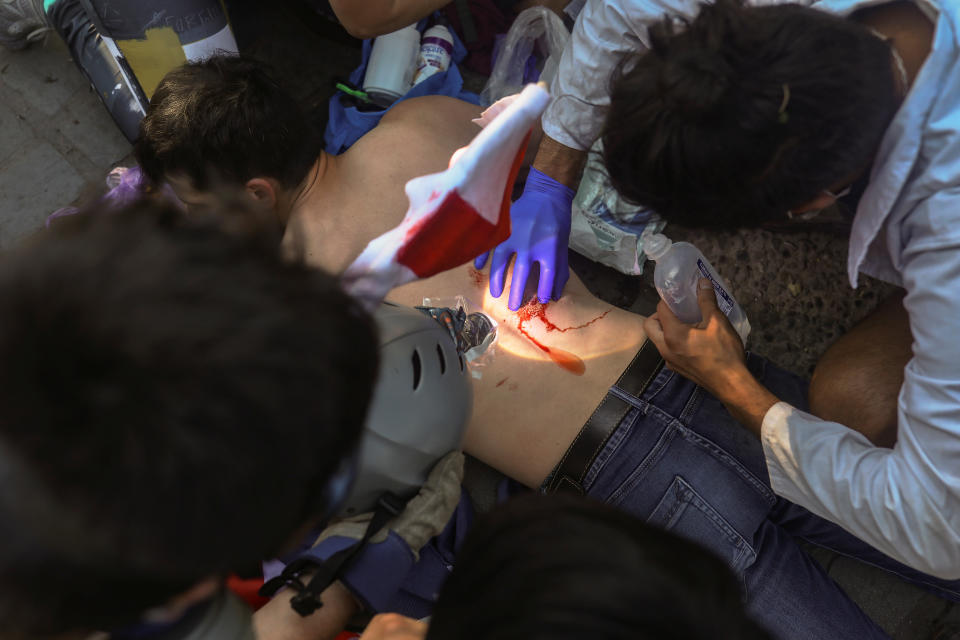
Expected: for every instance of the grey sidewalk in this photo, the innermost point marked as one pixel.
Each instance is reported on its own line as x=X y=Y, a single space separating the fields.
x=56 y=140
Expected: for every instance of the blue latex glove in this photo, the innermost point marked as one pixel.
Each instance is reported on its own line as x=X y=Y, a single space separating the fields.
x=540 y=232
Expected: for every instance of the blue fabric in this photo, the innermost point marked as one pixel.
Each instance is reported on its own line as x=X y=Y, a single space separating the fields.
x=421 y=587
x=381 y=576
x=681 y=462
x=678 y=460
x=346 y=125
x=376 y=574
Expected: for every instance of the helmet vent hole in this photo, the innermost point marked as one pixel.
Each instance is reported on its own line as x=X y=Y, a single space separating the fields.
x=443 y=360
x=417 y=369
x=461 y=362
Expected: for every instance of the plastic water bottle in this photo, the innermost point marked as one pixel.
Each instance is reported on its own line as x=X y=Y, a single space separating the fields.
x=680 y=265
x=391 y=65
x=436 y=50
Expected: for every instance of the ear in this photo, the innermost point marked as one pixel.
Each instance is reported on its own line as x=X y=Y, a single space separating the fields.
x=263 y=191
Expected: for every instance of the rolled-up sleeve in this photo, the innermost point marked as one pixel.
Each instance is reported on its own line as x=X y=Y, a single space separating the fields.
x=904 y=501
x=605 y=32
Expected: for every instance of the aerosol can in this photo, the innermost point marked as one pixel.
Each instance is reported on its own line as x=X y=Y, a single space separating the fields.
x=680 y=265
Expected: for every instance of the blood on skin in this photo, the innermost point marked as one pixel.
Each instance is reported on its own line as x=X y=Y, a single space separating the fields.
x=564 y=359
x=477 y=277
x=502 y=381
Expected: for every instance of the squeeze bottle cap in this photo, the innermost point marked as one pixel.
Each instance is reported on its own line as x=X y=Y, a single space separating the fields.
x=656 y=244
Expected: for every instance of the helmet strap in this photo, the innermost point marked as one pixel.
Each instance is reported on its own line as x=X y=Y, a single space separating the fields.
x=327 y=571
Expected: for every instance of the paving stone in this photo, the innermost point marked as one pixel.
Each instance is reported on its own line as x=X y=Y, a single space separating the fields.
x=86 y=123
x=14 y=133
x=32 y=186
x=882 y=596
x=48 y=80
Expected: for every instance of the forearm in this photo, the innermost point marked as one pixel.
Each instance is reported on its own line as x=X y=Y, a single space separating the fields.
x=370 y=18
x=744 y=397
x=278 y=621
x=562 y=163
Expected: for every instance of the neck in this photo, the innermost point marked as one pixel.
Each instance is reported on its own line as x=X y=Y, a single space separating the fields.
x=909 y=31
x=317 y=173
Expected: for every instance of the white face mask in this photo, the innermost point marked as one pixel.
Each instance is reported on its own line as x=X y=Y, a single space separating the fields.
x=813 y=213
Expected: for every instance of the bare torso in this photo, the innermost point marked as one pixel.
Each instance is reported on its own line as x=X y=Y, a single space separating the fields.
x=553 y=363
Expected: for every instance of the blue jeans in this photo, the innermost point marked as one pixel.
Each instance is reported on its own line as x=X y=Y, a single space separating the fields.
x=679 y=461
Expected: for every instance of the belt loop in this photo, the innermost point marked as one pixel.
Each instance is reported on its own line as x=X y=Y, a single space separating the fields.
x=579 y=456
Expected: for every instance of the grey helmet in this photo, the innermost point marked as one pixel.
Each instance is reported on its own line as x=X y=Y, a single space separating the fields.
x=420 y=409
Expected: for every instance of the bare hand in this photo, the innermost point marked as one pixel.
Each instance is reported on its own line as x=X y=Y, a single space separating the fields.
x=393 y=626
x=709 y=353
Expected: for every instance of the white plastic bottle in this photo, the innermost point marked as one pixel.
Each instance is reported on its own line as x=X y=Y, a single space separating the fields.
x=391 y=65
x=680 y=265
x=436 y=51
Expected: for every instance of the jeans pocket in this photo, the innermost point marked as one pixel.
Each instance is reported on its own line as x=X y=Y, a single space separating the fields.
x=684 y=511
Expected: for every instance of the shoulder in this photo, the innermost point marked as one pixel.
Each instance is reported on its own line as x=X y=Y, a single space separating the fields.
x=434 y=124
x=430 y=110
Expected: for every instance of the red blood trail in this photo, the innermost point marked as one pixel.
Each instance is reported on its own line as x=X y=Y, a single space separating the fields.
x=477 y=277
x=564 y=359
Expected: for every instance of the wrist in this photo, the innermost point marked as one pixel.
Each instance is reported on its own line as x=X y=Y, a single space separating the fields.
x=562 y=163
x=732 y=382
x=744 y=397
x=539 y=182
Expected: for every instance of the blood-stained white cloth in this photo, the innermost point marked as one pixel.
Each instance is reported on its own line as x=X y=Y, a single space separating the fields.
x=457 y=214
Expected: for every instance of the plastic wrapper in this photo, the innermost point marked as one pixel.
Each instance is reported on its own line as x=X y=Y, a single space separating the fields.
x=536 y=26
x=126 y=186
x=605 y=227
x=481 y=355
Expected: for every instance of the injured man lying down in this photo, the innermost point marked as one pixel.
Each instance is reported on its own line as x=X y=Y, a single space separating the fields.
x=667 y=452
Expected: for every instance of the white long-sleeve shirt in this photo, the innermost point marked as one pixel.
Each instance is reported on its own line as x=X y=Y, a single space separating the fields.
x=904 y=501
x=605 y=32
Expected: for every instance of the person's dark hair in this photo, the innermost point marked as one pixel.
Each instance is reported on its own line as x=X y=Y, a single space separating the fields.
x=173 y=401
x=554 y=568
x=228 y=116
x=743 y=113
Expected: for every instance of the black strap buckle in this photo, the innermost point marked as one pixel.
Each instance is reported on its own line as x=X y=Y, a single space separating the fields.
x=308 y=599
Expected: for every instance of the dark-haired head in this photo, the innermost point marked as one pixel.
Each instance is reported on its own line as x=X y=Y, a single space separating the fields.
x=173 y=401
x=223 y=122
x=745 y=113
x=554 y=568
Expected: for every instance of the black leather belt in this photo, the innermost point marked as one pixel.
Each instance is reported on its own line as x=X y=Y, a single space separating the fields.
x=569 y=473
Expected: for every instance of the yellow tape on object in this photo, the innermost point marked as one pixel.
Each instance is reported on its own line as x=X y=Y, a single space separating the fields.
x=153 y=57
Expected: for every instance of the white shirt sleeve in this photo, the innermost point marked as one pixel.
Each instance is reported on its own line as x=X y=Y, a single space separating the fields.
x=606 y=32
x=904 y=501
